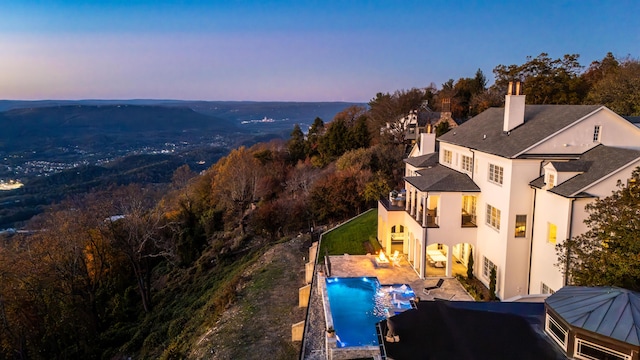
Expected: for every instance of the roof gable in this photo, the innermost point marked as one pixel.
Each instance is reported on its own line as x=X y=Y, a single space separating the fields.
x=484 y=132
x=593 y=166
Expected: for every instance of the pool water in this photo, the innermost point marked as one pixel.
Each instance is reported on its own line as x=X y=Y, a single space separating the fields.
x=357 y=304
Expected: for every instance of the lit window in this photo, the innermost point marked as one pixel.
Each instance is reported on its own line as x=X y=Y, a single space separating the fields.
x=495 y=174
x=493 y=217
x=596 y=133
x=447 y=157
x=467 y=163
x=551 y=181
x=521 y=225
x=487 y=265
x=552 y=233
x=556 y=331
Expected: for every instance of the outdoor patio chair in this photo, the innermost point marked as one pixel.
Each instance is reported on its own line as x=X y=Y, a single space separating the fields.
x=428 y=289
x=395 y=258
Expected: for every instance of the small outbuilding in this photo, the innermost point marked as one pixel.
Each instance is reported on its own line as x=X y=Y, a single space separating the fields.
x=594 y=322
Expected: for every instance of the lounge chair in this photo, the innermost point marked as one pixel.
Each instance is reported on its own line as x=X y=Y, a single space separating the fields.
x=428 y=289
x=395 y=258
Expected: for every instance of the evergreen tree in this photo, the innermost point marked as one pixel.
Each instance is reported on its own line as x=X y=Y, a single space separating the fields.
x=359 y=134
x=470 y=265
x=492 y=284
x=316 y=130
x=296 y=145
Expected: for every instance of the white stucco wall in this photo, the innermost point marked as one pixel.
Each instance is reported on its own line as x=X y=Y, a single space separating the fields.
x=387 y=219
x=552 y=208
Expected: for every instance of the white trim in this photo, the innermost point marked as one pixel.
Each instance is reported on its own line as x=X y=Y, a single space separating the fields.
x=562 y=343
x=604 y=349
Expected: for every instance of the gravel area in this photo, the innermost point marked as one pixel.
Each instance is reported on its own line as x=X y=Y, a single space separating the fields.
x=313 y=342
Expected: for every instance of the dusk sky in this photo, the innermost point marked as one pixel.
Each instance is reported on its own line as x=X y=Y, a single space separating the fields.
x=288 y=50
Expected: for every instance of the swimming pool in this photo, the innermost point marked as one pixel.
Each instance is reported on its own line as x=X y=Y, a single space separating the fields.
x=358 y=303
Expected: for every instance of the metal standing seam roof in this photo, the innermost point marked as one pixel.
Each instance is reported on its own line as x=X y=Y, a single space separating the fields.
x=609 y=311
x=593 y=165
x=443 y=179
x=484 y=131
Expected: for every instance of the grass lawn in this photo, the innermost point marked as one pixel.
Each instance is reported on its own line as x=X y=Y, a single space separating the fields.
x=351 y=237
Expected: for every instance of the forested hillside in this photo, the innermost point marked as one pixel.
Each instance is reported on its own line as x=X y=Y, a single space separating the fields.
x=153 y=271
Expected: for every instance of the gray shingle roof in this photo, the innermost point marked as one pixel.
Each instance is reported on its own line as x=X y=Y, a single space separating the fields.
x=609 y=311
x=540 y=122
x=423 y=160
x=633 y=119
x=443 y=179
x=571 y=166
x=595 y=164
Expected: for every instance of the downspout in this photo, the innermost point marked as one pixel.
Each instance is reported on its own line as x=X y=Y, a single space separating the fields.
x=533 y=218
x=423 y=261
x=533 y=221
x=570 y=223
x=473 y=162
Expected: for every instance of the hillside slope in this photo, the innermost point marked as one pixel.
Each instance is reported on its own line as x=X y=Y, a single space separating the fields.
x=258 y=324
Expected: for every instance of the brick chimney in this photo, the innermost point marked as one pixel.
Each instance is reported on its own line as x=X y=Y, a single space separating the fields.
x=513 y=107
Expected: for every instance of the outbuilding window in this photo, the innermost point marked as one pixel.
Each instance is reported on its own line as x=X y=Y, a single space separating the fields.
x=590 y=351
x=556 y=331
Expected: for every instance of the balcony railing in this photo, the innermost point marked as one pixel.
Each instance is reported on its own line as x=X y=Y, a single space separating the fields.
x=468 y=220
x=432 y=221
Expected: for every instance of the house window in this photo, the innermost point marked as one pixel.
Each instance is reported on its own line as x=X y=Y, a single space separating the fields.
x=588 y=350
x=551 y=181
x=545 y=289
x=447 y=157
x=596 y=133
x=467 y=163
x=495 y=173
x=493 y=217
x=521 y=225
x=468 y=210
x=552 y=231
x=556 y=331
x=487 y=265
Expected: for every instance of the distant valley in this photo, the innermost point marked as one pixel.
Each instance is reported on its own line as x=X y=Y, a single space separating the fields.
x=58 y=148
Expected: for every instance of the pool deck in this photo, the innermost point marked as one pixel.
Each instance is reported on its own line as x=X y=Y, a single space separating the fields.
x=364 y=265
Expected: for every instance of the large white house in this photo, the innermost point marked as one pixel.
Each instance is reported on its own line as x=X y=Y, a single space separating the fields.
x=505 y=187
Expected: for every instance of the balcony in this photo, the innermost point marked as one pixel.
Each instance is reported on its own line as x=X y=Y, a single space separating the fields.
x=432 y=218
x=397 y=237
x=468 y=220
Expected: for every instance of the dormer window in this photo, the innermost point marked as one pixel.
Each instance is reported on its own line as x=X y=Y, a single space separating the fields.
x=596 y=133
x=551 y=181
